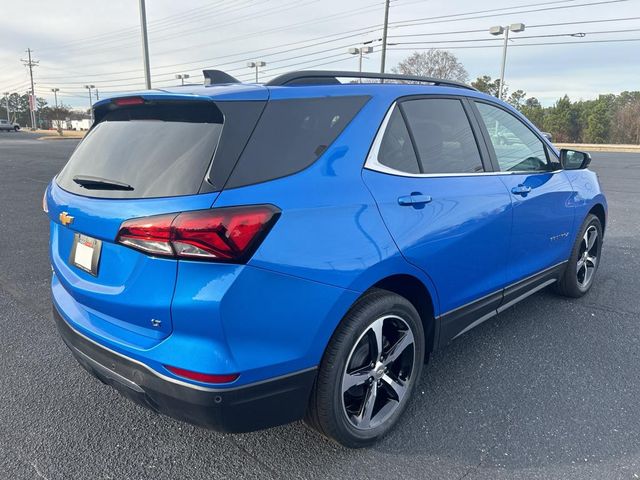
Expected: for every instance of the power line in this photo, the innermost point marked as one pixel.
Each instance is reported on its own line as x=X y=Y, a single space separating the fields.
x=91 y=50
x=445 y=16
x=235 y=57
x=479 y=30
x=491 y=10
x=356 y=33
x=583 y=22
x=442 y=19
x=465 y=40
x=240 y=56
x=456 y=47
x=129 y=31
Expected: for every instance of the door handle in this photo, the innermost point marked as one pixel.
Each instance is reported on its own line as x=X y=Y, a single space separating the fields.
x=521 y=190
x=415 y=199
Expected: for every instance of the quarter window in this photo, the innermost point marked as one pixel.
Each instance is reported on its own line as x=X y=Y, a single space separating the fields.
x=443 y=136
x=291 y=135
x=517 y=148
x=396 y=150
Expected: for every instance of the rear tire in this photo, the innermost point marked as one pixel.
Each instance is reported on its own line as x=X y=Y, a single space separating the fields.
x=584 y=261
x=360 y=392
x=15 y=129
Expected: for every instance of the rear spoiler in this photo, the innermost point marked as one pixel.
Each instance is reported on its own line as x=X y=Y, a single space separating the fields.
x=218 y=77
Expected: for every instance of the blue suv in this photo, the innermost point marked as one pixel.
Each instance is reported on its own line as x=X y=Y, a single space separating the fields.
x=241 y=256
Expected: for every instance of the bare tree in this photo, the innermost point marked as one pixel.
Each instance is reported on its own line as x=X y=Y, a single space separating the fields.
x=433 y=63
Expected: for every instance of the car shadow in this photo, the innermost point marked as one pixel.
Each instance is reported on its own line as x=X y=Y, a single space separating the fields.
x=527 y=389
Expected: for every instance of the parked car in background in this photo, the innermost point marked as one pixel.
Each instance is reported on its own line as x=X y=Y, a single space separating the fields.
x=7 y=126
x=241 y=256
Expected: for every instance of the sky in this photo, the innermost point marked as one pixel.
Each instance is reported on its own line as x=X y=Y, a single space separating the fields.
x=97 y=42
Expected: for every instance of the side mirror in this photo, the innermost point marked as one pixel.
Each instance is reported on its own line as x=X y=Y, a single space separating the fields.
x=548 y=136
x=574 y=160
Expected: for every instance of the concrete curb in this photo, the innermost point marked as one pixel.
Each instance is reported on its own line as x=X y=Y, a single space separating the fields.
x=57 y=137
x=590 y=147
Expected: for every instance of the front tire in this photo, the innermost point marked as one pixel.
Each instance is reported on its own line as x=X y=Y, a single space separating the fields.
x=369 y=370
x=584 y=261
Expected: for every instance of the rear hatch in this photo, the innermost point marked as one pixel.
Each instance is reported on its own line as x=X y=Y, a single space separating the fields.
x=145 y=156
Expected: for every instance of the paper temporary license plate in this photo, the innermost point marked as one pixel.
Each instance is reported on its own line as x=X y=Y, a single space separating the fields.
x=85 y=253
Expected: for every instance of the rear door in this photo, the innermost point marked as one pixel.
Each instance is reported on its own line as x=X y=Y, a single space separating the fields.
x=447 y=212
x=141 y=158
x=542 y=196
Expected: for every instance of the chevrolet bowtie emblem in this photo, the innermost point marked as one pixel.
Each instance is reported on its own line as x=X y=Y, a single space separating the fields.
x=65 y=219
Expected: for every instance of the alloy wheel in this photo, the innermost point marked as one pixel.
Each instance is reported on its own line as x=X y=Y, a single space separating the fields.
x=588 y=258
x=378 y=372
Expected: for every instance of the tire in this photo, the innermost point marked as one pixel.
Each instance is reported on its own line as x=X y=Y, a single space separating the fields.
x=578 y=277
x=15 y=129
x=346 y=417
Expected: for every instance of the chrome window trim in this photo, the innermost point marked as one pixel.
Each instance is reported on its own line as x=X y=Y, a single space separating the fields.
x=373 y=164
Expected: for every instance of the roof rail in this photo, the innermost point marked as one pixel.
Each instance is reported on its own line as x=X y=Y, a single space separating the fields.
x=310 y=77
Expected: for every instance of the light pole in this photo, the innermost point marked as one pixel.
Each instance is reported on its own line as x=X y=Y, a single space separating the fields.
x=256 y=65
x=6 y=99
x=514 y=27
x=360 y=51
x=182 y=76
x=89 y=87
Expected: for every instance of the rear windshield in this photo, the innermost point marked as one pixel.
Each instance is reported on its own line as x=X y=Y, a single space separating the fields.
x=145 y=151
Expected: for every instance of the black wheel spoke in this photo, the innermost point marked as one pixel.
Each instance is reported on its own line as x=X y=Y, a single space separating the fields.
x=372 y=392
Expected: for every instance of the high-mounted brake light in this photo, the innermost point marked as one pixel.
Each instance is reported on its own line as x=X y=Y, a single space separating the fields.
x=229 y=234
x=202 y=377
x=128 y=101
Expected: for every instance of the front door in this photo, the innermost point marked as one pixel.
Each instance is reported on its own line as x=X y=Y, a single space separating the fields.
x=448 y=216
x=542 y=196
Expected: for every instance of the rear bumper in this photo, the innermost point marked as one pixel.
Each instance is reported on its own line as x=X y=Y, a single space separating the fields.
x=241 y=409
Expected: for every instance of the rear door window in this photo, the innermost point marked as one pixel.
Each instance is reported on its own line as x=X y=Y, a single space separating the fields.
x=145 y=151
x=291 y=135
x=443 y=137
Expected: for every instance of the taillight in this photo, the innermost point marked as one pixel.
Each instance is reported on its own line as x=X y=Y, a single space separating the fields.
x=202 y=377
x=229 y=234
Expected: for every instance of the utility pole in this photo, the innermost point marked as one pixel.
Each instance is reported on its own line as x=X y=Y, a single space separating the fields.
x=145 y=45
x=97 y=95
x=89 y=87
x=384 y=36
x=6 y=98
x=32 y=100
x=55 y=96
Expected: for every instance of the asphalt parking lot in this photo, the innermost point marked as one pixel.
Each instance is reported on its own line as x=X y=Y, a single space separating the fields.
x=548 y=389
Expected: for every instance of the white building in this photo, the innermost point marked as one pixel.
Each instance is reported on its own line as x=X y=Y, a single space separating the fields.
x=84 y=124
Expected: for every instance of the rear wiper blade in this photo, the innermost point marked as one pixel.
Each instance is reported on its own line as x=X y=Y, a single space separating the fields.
x=97 y=183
